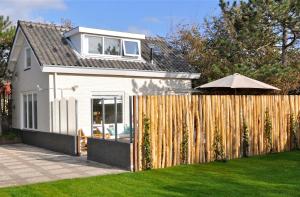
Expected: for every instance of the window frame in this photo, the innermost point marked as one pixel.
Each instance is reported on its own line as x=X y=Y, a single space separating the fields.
x=124 y=47
x=120 y=100
x=123 y=54
x=26 y=58
x=33 y=115
x=116 y=38
x=87 y=44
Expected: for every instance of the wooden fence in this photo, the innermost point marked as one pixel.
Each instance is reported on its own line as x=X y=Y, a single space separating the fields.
x=201 y=116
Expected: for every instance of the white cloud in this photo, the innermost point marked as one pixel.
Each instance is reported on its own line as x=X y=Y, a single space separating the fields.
x=152 y=19
x=138 y=30
x=23 y=9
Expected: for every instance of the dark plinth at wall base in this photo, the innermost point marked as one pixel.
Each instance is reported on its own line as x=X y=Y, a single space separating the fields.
x=52 y=141
x=113 y=153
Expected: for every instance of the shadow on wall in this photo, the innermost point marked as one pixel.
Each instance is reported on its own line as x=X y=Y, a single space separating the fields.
x=159 y=87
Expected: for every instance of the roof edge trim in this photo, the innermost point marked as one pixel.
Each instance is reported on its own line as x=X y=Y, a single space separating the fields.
x=118 y=72
x=79 y=29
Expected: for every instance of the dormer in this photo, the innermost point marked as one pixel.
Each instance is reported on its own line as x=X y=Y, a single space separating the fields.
x=104 y=44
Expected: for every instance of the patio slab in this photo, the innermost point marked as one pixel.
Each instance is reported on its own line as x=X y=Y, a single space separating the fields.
x=22 y=164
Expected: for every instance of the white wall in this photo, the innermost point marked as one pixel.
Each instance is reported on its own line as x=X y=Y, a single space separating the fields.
x=77 y=42
x=26 y=81
x=89 y=85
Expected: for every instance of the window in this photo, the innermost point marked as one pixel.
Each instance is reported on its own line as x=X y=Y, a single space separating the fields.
x=35 y=110
x=107 y=116
x=131 y=48
x=28 y=58
x=95 y=44
x=110 y=113
x=25 y=111
x=30 y=111
x=109 y=110
x=112 y=46
x=30 y=119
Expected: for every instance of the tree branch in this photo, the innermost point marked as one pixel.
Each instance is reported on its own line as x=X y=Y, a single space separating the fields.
x=292 y=42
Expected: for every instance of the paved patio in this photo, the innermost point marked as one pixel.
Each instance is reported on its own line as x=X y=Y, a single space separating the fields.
x=21 y=164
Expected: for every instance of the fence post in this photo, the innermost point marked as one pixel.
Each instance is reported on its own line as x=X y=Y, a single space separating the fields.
x=76 y=127
x=135 y=140
x=59 y=115
x=51 y=108
x=92 y=117
x=116 y=118
x=103 y=119
x=130 y=117
x=67 y=115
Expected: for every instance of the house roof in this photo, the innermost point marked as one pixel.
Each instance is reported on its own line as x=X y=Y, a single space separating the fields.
x=52 y=48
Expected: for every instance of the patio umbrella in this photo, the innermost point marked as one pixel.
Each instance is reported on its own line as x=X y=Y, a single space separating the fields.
x=238 y=81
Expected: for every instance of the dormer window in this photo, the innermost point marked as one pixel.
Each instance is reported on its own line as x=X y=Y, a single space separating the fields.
x=95 y=44
x=131 y=48
x=112 y=46
x=105 y=44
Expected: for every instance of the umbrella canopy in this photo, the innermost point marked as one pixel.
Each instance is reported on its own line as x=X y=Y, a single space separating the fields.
x=237 y=81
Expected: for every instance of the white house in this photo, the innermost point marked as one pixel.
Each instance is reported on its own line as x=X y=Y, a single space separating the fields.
x=92 y=65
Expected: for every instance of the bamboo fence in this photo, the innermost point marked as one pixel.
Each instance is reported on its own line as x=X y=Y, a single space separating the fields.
x=201 y=116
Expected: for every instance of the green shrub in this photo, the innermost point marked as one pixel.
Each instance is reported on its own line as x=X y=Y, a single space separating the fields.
x=9 y=135
x=185 y=145
x=268 y=131
x=245 y=139
x=146 y=149
x=293 y=132
x=218 y=146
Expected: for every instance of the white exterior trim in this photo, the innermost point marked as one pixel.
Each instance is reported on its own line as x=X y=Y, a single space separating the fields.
x=77 y=30
x=118 y=72
x=128 y=54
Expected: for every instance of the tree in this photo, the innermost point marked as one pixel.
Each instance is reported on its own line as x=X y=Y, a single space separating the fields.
x=243 y=39
x=248 y=28
x=66 y=23
x=275 y=20
x=284 y=17
x=7 y=31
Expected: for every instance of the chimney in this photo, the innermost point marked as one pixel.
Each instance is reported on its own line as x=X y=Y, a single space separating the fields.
x=151 y=55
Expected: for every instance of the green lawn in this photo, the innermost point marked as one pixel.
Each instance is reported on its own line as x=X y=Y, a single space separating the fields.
x=272 y=175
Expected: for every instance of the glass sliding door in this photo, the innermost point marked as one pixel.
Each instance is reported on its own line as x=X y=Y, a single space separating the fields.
x=107 y=117
x=35 y=111
x=30 y=111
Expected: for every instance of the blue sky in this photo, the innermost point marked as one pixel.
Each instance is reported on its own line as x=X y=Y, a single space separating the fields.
x=149 y=17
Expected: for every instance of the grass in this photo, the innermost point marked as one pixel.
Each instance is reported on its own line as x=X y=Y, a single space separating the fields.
x=272 y=175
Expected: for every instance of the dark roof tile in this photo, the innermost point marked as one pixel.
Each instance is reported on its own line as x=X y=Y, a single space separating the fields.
x=51 y=48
